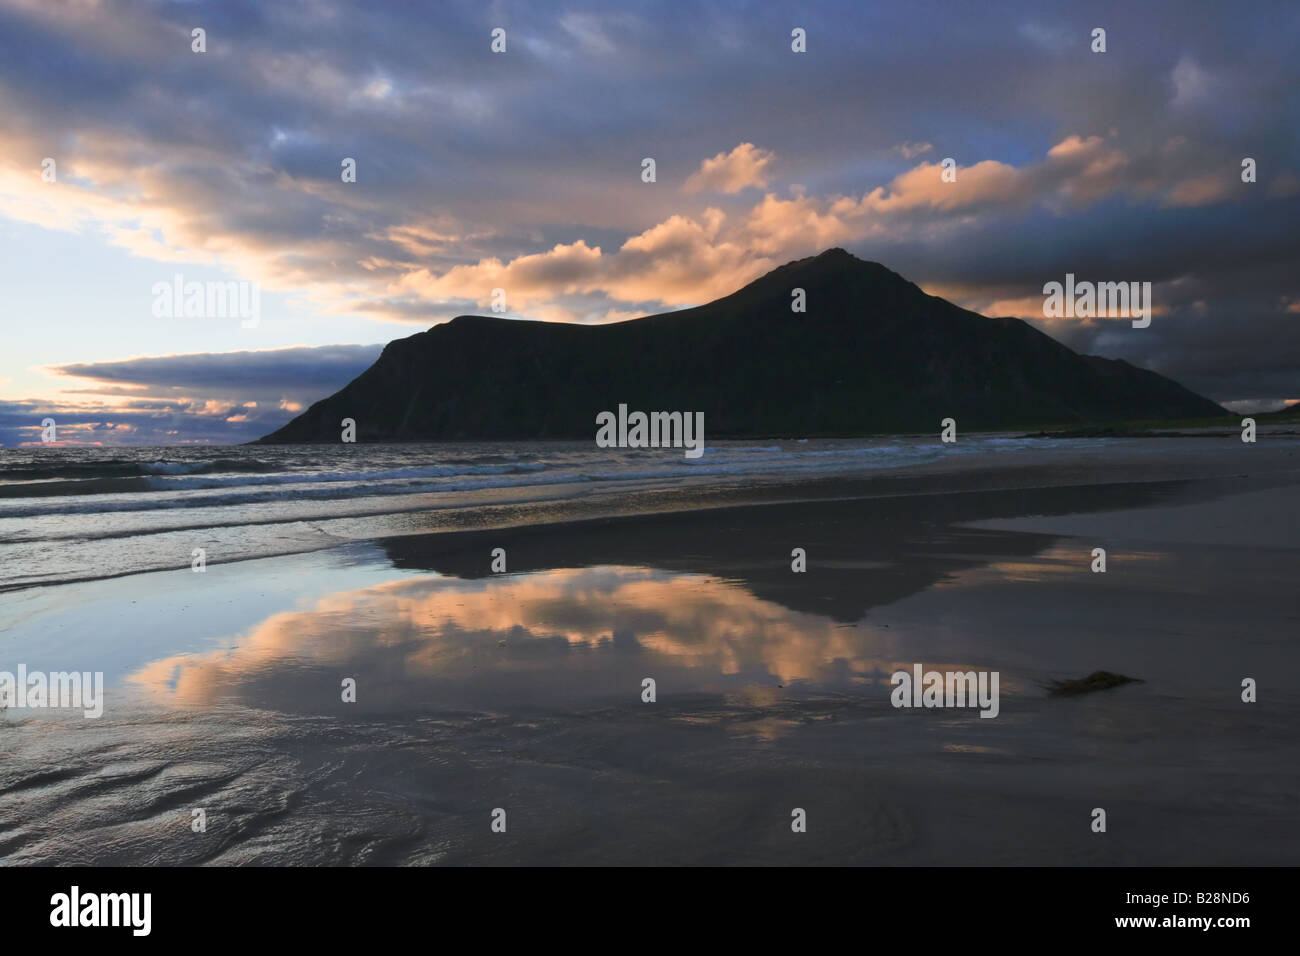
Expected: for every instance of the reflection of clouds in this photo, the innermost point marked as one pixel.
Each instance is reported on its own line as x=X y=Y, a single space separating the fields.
x=1058 y=562
x=559 y=637
x=447 y=628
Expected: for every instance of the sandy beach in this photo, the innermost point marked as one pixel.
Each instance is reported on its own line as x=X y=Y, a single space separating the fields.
x=523 y=690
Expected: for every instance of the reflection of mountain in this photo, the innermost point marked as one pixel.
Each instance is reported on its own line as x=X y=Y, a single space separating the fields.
x=872 y=353
x=861 y=553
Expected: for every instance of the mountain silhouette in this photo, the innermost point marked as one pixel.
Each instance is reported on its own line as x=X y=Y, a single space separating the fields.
x=872 y=354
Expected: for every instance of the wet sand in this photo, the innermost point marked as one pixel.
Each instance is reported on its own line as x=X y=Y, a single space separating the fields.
x=523 y=690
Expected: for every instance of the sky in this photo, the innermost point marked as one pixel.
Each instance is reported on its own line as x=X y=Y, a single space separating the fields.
x=522 y=170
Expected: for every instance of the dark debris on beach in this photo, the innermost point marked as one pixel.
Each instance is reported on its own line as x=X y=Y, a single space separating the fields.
x=1097 y=680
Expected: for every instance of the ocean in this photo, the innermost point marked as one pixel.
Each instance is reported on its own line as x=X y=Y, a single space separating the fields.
x=82 y=513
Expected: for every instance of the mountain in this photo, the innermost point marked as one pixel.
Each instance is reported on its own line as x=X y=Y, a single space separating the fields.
x=872 y=353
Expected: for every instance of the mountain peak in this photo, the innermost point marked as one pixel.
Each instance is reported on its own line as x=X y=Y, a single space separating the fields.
x=834 y=256
x=837 y=274
x=837 y=259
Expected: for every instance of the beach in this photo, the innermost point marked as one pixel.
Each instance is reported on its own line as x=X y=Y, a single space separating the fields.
x=523 y=689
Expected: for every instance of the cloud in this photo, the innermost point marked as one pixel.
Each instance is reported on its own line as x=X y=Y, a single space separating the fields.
x=1201 y=190
x=298 y=369
x=913 y=150
x=680 y=261
x=1192 y=84
x=219 y=397
x=686 y=260
x=743 y=167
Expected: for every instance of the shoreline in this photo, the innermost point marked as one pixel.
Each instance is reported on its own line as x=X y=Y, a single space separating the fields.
x=1083 y=468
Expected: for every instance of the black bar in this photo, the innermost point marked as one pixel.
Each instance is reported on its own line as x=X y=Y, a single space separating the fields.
x=212 y=906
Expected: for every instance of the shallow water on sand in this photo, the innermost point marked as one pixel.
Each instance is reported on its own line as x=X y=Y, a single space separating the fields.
x=523 y=691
